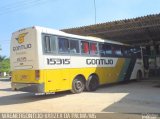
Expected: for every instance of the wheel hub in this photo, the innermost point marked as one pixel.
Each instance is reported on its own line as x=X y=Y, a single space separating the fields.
x=78 y=85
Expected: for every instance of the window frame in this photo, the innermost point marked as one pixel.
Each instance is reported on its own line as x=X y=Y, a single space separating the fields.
x=85 y=54
x=104 y=50
x=51 y=50
x=47 y=43
x=74 y=39
x=97 y=50
x=101 y=43
x=111 y=45
x=43 y=35
x=58 y=45
x=137 y=54
x=116 y=46
x=129 y=53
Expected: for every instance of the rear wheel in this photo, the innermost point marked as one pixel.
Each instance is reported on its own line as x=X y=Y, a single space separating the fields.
x=92 y=83
x=78 y=85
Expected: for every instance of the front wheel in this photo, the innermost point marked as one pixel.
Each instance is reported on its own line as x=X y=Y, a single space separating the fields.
x=78 y=85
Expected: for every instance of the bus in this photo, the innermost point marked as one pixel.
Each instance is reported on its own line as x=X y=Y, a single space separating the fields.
x=45 y=60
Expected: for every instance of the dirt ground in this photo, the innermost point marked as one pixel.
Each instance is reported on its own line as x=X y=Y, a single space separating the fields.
x=133 y=97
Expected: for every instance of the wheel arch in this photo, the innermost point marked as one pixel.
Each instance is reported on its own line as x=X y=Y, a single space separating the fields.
x=94 y=74
x=80 y=75
x=91 y=83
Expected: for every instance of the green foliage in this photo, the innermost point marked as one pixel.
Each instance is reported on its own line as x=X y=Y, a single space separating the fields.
x=2 y=58
x=4 y=64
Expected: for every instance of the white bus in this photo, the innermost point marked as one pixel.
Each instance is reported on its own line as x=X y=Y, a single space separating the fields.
x=44 y=60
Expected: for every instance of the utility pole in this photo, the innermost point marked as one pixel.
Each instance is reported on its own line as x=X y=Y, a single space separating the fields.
x=95 y=14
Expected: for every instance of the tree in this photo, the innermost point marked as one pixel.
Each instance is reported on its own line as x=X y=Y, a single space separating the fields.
x=2 y=58
x=5 y=65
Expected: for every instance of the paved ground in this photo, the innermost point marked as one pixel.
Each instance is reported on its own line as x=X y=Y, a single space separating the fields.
x=133 y=97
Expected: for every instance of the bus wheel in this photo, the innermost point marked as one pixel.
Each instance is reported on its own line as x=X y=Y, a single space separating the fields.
x=139 y=76
x=78 y=85
x=92 y=83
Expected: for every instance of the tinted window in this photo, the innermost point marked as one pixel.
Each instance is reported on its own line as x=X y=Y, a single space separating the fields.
x=63 y=44
x=127 y=52
x=101 y=49
x=74 y=46
x=93 y=48
x=49 y=43
x=117 y=50
x=136 y=52
x=105 y=49
x=84 y=47
x=108 y=49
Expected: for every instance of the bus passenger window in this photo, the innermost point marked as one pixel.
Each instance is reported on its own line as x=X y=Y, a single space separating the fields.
x=74 y=46
x=93 y=48
x=84 y=47
x=63 y=45
x=126 y=51
x=136 y=52
x=108 y=49
x=49 y=44
x=118 y=51
x=53 y=44
x=101 y=50
x=47 y=47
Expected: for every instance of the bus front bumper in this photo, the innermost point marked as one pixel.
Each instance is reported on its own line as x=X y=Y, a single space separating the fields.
x=28 y=87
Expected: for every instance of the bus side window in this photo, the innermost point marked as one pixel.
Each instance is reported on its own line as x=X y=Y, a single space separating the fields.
x=136 y=51
x=53 y=44
x=47 y=47
x=93 y=48
x=101 y=50
x=125 y=51
x=49 y=44
x=74 y=47
x=117 y=50
x=128 y=51
x=63 y=44
x=85 y=47
x=108 y=49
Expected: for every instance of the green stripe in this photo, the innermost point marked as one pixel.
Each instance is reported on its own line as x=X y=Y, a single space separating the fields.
x=124 y=69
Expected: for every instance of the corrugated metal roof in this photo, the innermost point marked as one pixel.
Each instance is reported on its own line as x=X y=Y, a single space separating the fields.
x=140 y=30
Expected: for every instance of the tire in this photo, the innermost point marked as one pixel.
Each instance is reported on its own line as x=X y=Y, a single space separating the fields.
x=78 y=85
x=139 y=76
x=92 y=83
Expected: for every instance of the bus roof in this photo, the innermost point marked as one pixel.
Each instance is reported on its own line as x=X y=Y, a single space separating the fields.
x=61 y=33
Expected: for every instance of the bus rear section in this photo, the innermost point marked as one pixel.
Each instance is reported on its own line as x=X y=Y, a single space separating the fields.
x=24 y=63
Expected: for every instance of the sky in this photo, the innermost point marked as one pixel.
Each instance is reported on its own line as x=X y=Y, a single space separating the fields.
x=62 y=14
